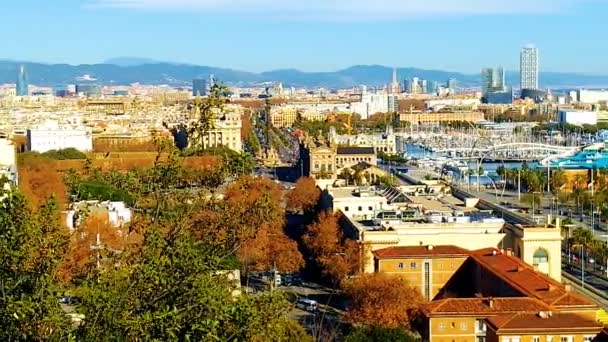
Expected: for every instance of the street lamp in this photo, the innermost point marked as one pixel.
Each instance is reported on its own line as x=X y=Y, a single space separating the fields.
x=533 y=202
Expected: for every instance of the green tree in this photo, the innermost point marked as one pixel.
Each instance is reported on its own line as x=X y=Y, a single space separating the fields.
x=205 y=112
x=31 y=249
x=531 y=199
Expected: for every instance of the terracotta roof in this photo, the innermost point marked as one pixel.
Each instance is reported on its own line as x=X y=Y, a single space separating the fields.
x=528 y=322
x=420 y=251
x=483 y=306
x=524 y=279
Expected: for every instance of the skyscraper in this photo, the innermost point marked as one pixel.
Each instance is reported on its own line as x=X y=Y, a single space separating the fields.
x=199 y=88
x=451 y=85
x=22 y=86
x=528 y=67
x=394 y=86
x=492 y=79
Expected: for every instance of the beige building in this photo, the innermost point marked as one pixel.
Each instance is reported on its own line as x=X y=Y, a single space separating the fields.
x=283 y=116
x=416 y=217
x=227 y=130
x=420 y=118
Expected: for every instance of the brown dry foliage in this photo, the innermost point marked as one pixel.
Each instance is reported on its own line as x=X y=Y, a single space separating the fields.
x=81 y=258
x=245 y=126
x=339 y=257
x=269 y=248
x=304 y=196
x=380 y=299
x=41 y=178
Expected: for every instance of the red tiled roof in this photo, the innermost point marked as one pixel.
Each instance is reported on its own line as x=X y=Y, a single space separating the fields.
x=482 y=306
x=528 y=322
x=524 y=279
x=420 y=251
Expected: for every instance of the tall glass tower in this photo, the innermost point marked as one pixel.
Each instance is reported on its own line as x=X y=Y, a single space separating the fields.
x=492 y=79
x=528 y=68
x=22 y=86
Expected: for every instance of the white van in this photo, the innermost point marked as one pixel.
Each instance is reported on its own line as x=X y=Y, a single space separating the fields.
x=307 y=305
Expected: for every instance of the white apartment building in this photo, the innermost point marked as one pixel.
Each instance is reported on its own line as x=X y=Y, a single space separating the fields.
x=370 y=104
x=116 y=213
x=577 y=117
x=53 y=136
x=8 y=163
x=591 y=96
x=528 y=66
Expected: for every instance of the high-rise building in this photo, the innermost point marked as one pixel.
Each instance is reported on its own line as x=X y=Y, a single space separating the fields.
x=528 y=68
x=394 y=87
x=22 y=86
x=432 y=87
x=492 y=79
x=199 y=87
x=451 y=85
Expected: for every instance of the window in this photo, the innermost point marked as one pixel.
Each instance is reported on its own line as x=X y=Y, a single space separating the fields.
x=453 y=325
x=587 y=338
x=413 y=265
x=441 y=326
x=370 y=208
x=481 y=339
x=540 y=257
x=549 y=338
x=565 y=339
x=439 y=265
x=345 y=208
x=463 y=326
x=535 y=339
x=400 y=266
x=360 y=208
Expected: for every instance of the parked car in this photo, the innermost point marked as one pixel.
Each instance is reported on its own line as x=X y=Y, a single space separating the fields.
x=307 y=305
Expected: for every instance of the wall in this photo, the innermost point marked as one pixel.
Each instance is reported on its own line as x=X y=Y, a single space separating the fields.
x=448 y=329
x=441 y=269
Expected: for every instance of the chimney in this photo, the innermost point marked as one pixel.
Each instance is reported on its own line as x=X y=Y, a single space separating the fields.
x=430 y=247
x=568 y=288
x=509 y=252
x=491 y=303
x=502 y=251
x=543 y=314
x=494 y=252
x=551 y=287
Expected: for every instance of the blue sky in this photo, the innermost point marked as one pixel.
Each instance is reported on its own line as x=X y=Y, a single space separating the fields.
x=311 y=35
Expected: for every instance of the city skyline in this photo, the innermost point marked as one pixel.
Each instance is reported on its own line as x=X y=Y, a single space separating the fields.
x=312 y=37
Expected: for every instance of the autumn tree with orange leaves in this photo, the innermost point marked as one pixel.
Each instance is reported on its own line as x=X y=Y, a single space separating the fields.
x=251 y=219
x=337 y=256
x=304 y=197
x=380 y=299
x=96 y=230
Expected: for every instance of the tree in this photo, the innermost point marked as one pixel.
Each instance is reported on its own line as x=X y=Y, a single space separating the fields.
x=304 y=197
x=531 y=199
x=558 y=181
x=271 y=249
x=379 y=334
x=337 y=256
x=39 y=180
x=205 y=112
x=31 y=249
x=384 y=300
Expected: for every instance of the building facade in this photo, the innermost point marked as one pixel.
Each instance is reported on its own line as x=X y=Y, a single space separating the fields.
x=528 y=68
x=492 y=79
x=226 y=131
x=199 y=87
x=53 y=136
x=22 y=87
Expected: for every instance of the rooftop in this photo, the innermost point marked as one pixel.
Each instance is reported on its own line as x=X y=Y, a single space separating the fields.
x=355 y=150
x=483 y=306
x=544 y=321
x=524 y=279
x=420 y=251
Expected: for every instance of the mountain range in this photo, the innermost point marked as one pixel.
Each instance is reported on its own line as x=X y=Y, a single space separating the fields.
x=128 y=70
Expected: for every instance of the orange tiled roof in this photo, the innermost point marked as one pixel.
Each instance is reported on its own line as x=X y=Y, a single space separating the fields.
x=558 y=322
x=524 y=279
x=483 y=306
x=420 y=251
